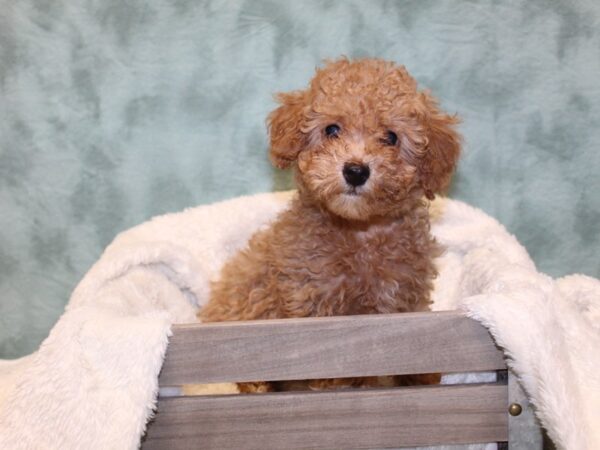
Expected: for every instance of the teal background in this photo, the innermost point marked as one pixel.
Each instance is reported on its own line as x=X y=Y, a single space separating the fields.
x=112 y=111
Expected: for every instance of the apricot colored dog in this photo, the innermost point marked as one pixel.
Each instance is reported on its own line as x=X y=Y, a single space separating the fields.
x=368 y=150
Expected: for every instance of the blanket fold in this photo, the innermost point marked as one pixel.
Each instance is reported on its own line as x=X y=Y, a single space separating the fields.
x=93 y=381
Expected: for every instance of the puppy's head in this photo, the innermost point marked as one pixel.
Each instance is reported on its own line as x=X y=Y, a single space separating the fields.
x=364 y=140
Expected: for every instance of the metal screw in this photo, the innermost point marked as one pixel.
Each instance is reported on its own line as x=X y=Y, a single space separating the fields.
x=515 y=409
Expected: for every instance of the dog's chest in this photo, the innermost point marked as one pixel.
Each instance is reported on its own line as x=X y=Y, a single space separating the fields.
x=373 y=256
x=354 y=272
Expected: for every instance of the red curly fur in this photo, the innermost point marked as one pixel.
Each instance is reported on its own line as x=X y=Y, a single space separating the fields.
x=339 y=249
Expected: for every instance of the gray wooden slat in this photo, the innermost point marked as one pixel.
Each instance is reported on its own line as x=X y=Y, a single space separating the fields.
x=326 y=420
x=525 y=432
x=348 y=346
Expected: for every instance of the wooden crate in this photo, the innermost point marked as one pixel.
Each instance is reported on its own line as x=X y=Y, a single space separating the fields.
x=334 y=347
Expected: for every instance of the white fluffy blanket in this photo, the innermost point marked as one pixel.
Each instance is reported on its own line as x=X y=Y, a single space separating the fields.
x=93 y=382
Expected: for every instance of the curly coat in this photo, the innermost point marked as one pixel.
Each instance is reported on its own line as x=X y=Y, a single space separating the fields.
x=343 y=249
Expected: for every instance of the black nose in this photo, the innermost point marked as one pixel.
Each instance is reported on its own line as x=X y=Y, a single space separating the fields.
x=356 y=174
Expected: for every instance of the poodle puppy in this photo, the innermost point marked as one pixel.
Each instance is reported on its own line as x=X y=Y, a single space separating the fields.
x=368 y=150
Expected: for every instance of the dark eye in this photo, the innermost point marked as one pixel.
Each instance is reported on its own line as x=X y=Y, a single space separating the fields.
x=332 y=130
x=391 y=138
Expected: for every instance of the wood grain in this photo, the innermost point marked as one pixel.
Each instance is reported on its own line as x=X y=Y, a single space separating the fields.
x=351 y=419
x=349 y=346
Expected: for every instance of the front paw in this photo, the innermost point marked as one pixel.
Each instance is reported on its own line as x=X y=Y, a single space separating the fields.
x=416 y=380
x=255 y=387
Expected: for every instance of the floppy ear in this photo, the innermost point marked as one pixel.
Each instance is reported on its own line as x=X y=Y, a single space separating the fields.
x=285 y=132
x=442 y=148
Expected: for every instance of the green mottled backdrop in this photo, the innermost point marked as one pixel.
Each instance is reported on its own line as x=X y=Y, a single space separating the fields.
x=112 y=111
